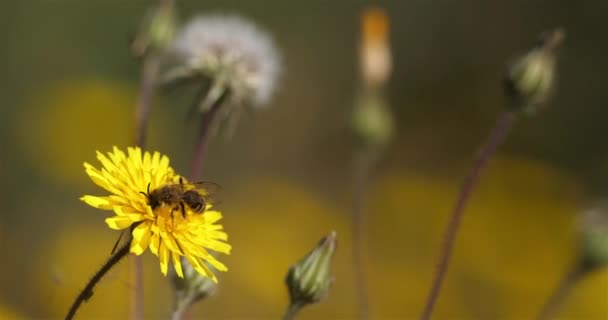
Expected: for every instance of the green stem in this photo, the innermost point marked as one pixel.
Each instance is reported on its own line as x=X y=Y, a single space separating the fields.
x=498 y=134
x=292 y=310
x=87 y=292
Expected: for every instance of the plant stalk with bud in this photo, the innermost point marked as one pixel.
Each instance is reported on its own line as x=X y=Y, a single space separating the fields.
x=372 y=124
x=310 y=279
x=529 y=82
x=592 y=256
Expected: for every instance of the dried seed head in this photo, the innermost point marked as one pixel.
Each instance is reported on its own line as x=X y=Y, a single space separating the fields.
x=232 y=53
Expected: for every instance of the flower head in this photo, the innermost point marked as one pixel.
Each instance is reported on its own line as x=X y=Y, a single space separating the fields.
x=169 y=234
x=231 y=51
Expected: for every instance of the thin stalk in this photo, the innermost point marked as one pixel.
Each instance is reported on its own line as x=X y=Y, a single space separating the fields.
x=150 y=68
x=151 y=65
x=557 y=298
x=203 y=141
x=498 y=134
x=291 y=311
x=181 y=310
x=362 y=176
x=87 y=292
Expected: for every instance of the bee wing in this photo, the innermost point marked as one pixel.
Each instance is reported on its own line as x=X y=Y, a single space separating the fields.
x=205 y=187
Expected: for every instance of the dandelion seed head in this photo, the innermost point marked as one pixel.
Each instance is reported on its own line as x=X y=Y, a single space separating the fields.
x=234 y=47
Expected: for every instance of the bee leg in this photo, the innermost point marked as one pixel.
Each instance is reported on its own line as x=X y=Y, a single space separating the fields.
x=181 y=204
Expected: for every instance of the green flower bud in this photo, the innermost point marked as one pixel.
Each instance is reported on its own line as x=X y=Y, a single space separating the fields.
x=594 y=239
x=309 y=280
x=530 y=79
x=372 y=121
x=191 y=288
x=156 y=30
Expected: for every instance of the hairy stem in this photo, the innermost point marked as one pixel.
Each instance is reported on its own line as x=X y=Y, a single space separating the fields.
x=498 y=134
x=87 y=292
x=181 y=309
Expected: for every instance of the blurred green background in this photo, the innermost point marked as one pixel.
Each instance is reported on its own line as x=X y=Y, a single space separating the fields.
x=69 y=86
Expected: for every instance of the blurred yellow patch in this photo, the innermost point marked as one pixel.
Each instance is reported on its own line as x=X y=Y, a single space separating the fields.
x=516 y=240
x=65 y=263
x=274 y=223
x=7 y=313
x=68 y=121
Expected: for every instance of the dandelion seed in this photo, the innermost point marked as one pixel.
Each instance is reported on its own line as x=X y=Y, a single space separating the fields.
x=233 y=53
x=165 y=230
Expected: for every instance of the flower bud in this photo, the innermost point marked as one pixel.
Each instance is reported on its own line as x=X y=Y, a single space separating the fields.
x=372 y=121
x=156 y=30
x=309 y=280
x=530 y=79
x=594 y=242
x=190 y=286
x=375 y=53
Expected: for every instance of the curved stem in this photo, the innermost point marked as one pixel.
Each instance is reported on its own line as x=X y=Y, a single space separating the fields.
x=498 y=134
x=87 y=292
x=363 y=171
x=203 y=140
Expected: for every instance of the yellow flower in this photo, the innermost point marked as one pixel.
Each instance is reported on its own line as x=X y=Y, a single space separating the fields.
x=166 y=232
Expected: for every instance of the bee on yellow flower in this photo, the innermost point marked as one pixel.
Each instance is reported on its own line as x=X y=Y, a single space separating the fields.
x=131 y=179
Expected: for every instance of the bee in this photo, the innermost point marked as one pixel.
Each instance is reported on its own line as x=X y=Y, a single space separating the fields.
x=194 y=195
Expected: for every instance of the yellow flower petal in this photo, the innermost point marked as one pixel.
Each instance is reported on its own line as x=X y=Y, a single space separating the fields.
x=103 y=203
x=119 y=223
x=177 y=265
x=141 y=238
x=163 y=256
x=155 y=243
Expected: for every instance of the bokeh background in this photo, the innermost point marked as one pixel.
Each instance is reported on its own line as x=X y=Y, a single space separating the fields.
x=69 y=85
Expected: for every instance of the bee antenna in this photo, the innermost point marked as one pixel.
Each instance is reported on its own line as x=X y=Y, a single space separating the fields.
x=148 y=187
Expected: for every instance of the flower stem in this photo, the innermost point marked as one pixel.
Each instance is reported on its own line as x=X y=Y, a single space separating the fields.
x=151 y=65
x=292 y=310
x=362 y=176
x=150 y=68
x=560 y=294
x=87 y=292
x=181 y=309
x=203 y=141
x=498 y=134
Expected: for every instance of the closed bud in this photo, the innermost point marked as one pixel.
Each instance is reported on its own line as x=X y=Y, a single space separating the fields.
x=530 y=79
x=372 y=121
x=375 y=52
x=594 y=242
x=309 y=280
x=190 y=287
x=156 y=30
